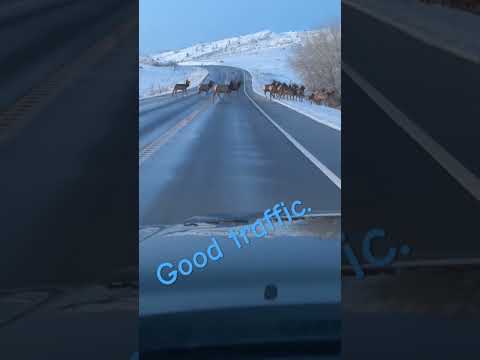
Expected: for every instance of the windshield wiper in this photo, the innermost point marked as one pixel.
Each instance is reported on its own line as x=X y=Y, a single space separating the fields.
x=246 y=218
x=222 y=219
x=301 y=350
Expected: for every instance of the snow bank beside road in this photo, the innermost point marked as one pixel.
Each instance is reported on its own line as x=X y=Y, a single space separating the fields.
x=159 y=80
x=321 y=114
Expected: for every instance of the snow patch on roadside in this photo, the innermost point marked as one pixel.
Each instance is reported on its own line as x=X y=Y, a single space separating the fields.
x=322 y=114
x=159 y=80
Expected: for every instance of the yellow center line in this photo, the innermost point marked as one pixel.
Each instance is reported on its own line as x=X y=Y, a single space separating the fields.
x=151 y=148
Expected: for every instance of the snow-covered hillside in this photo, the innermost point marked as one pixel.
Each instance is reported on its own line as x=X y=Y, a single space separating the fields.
x=244 y=44
x=264 y=54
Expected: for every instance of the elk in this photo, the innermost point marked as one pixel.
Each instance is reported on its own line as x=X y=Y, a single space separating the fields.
x=282 y=90
x=235 y=85
x=268 y=88
x=181 y=87
x=219 y=89
x=301 y=93
x=321 y=97
x=291 y=91
x=205 y=87
x=271 y=88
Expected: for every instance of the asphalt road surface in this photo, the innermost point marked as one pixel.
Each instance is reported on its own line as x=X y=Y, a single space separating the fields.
x=228 y=158
x=58 y=166
x=66 y=220
x=391 y=180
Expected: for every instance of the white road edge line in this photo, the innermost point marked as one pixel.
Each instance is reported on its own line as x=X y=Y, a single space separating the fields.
x=330 y=125
x=326 y=123
x=330 y=174
x=459 y=172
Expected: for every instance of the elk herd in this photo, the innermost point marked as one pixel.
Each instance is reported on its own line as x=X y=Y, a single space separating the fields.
x=276 y=90
x=281 y=90
x=217 y=89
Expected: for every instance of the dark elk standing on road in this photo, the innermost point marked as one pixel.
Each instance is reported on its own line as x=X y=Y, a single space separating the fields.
x=181 y=87
x=205 y=87
x=226 y=88
x=235 y=85
x=220 y=89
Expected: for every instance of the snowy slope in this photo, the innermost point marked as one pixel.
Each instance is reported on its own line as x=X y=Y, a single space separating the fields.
x=244 y=44
x=264 y=54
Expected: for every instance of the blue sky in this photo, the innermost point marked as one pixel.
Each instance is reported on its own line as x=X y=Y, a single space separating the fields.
x=173 y=24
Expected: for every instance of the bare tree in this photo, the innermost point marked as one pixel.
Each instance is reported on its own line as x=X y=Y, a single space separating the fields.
x=318 y=60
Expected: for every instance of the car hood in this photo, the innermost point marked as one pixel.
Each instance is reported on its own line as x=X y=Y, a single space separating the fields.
x=301 y=260
x=279 y=289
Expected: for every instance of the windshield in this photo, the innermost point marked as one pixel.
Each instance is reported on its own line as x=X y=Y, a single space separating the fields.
x=240 y=188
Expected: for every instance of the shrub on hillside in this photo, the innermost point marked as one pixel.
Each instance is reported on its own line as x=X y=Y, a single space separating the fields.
x=318 y=61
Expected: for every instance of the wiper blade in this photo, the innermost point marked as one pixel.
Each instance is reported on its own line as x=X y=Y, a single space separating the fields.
x=247 y=218
x=221 y=219
x=300 y=349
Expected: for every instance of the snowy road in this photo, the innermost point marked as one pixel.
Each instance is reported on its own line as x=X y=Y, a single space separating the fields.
x=227 y=157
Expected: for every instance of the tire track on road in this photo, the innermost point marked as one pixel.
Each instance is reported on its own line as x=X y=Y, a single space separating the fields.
x=151 y=148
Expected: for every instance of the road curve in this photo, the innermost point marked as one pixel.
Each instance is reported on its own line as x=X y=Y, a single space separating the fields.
x=199 y=157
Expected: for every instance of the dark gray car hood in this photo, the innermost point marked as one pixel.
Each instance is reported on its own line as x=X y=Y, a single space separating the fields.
x=301 y=260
